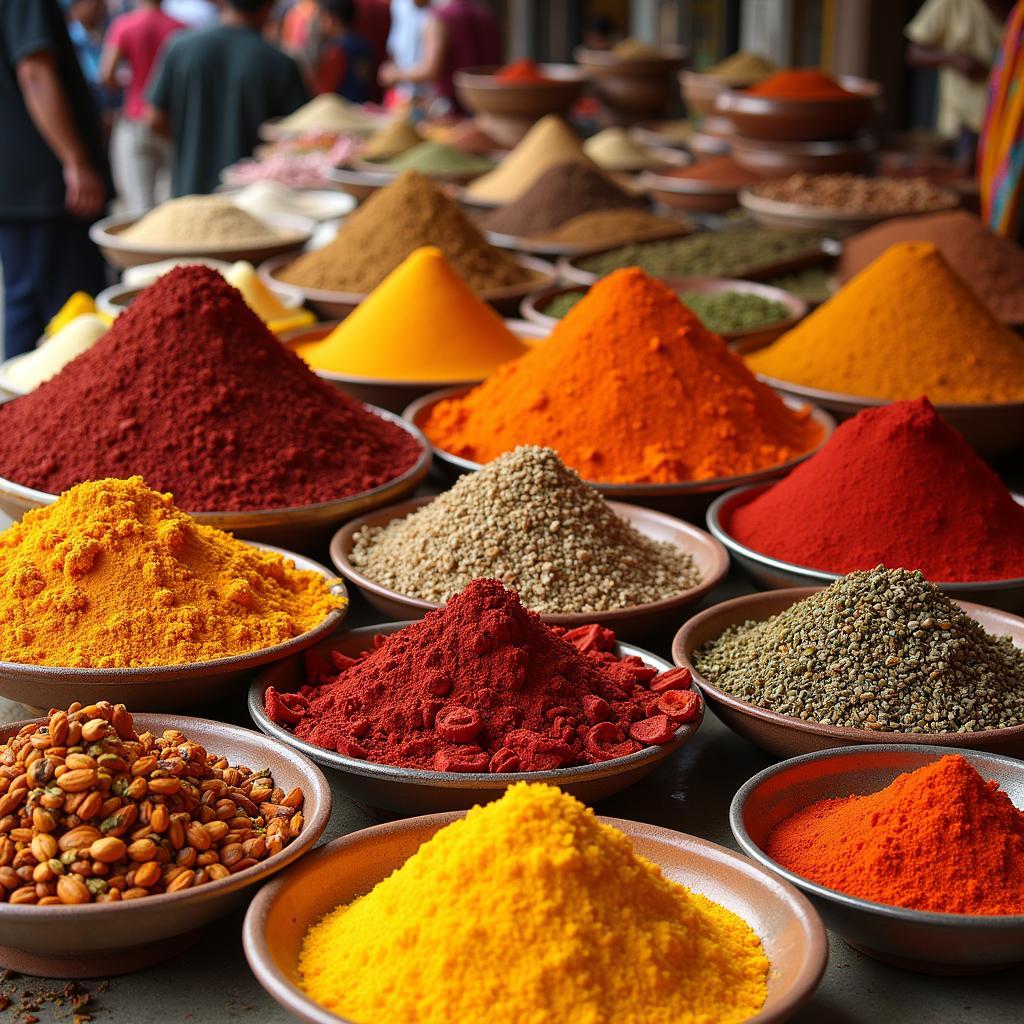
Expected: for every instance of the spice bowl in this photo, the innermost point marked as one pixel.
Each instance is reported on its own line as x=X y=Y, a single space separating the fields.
x=780 y=159
x=104 y=939
x=692 y=195
x=633 y=90
x=165 y=687
x=786 y=735
x=407 y=791
x=708 y=555
x=775 y=574
x=789 y=928
x=935 y=943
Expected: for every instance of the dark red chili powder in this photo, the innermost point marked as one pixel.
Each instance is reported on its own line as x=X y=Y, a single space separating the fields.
x=894 y=486
x=482 y=685
x=190 y=390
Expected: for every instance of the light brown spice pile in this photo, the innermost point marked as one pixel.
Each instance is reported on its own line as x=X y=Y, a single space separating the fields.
x=200 y=220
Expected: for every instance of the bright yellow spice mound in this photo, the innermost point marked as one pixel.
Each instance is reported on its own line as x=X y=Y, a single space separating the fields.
x=112 y=575
x=529 y=911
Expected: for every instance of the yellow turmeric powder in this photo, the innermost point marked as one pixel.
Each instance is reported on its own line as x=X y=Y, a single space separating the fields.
x=112 y=575
x=530 y=910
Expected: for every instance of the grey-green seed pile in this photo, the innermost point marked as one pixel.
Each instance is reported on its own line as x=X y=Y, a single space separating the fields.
x=529 y=521
x=883 y=650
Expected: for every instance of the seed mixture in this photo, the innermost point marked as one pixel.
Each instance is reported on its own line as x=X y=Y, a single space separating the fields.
x=104 y=814
x=882 y=650
x=531 y=522
x=856 y=193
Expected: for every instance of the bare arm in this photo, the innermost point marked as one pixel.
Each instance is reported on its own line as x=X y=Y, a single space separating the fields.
x=158 y=121
x=48 y=107
x=920 y=56
x=435 y=42
x=109 y=61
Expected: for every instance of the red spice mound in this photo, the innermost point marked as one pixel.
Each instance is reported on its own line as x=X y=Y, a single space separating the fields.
x=482 y=685
x=940 y=839
x=521 y=72
x=191 y=391
x=895 y=486
x=800 y=84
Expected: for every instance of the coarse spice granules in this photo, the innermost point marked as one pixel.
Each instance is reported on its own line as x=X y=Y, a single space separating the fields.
x=882 y=650
x=531 y=522
x=858 y=193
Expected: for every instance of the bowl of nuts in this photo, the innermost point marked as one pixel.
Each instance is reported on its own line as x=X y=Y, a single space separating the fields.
x=122 y=837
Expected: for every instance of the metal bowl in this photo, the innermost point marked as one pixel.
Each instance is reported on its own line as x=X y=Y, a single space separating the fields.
x=304 y=526
x=278 y=919
x=914 y=939
x=689 y=500
x=102 y=939
x=775 y=574
x=164 y=687
x=415 y=791
x=709 y=557
x=785 y=735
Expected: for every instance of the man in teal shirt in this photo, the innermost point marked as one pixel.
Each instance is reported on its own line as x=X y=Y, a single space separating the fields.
x=213 y=90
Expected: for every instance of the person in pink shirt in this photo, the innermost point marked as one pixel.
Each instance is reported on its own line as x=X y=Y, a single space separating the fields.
x=135 y=40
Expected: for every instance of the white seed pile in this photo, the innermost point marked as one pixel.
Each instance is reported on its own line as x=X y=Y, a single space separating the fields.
x=529 y=521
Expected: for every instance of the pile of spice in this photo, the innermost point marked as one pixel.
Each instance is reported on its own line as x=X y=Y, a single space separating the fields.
x=108 y=814
x=521 y=72
x=614 y=149
x=942 y=839
x=437 y=159
x=934 y=505
x=738 y=253
x=112 y=575
x=578 y=928
x=28 y=371
x=190 y=390
x=328 y=112
x=721 y=172
x=940 y=339
x=629 y=388
x=201 y=221
x=394 y=138
x=857 y=193
x=800 y=84
x=993 y=266
x=547 y=144
x=559 y=194
x=408 y=214
x=614 y=227
x=742 y=68
x=532 y=523
x=445 y=334
x=482 y=685
x=882 y=650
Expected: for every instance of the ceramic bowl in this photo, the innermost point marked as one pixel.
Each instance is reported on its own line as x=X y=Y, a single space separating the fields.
x=415 y=791
x=709 y=556
x=945 y=944
x=775 y=574
x=675 y=134
x=337 y=305
x=326 y=204
x=295 y=232
x=304 y=526
x=692 y=195
x=103 y=939
x=780 y=159
x=439 y=177
x=689 y=500
x=748 y=340
x=785 y=735
x=793 y=937
x=165 y=687
x=700 y=90
x=990 y=430
x=359 y=184
x=118 y=297
x=632 y=90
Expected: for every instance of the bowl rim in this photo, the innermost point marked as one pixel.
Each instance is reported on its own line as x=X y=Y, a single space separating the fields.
x=314 y=784
x=341 y=544
x=329 y=195
x=681 y=658
x=113 y=295
x=904 y=914
x=863 y=91
x=424 y=404
x=752 y=200
x=484 y=76
x=724 y=504
x=467 y=780
x=216 y=666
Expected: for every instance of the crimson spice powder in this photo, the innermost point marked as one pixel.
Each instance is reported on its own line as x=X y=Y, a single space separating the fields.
x=482 y=685
x=191 y=391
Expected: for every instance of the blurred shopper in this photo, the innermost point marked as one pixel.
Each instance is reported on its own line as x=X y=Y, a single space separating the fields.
x=405 y=50
x=1001 y=157
x=140 y=155
x=346 y=64
x=54 y=179
x=193 y=13
x=87 y=25
x=214 y=88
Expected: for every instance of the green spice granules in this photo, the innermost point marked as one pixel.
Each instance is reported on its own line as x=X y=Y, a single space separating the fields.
x=883 y=650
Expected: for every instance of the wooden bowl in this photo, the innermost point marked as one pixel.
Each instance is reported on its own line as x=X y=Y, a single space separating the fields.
x=708 y=555
x=780 y=159
x=632 y=90
x=793 y=936
x=416 y=791
x=97 y=940
x=785 y=735
x=295 y=233
x=944 y=944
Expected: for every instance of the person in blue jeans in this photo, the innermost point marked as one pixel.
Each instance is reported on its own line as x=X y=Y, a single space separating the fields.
x=346 y=65
x=54 y=178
